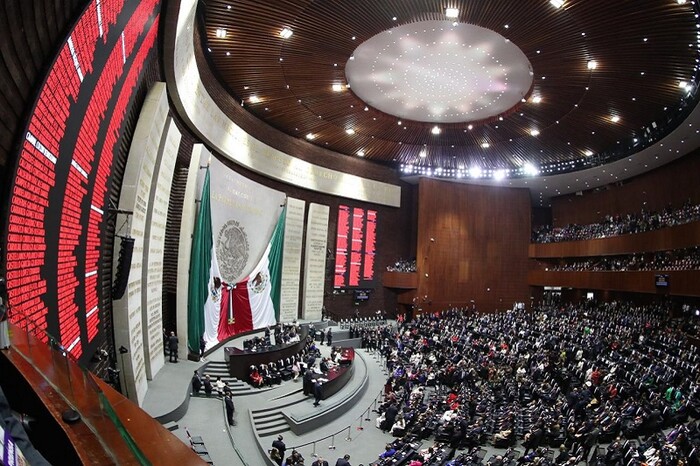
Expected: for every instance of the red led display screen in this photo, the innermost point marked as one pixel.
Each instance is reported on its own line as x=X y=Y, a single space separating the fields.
x=355 y=247
x=59 y=195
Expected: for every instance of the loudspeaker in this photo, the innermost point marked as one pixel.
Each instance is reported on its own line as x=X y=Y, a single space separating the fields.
x=126 y=250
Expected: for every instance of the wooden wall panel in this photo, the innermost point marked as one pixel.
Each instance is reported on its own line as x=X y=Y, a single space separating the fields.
x=400 y=280
x=681 y=283
x=682 y=236
x=674 y=183
x=472 y=245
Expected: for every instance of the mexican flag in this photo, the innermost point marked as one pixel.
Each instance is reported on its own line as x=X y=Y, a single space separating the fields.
x=254 y=302
x=204 y=296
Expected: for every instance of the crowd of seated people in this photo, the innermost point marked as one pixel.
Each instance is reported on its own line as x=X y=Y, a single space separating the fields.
x=615 y=225
x=287 y=333
x=402 y=265
x=284 y=334
x=678 y=259
x=567 y=377
x=273 y=373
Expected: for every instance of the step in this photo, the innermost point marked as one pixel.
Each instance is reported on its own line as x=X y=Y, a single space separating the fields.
x=172 y=426
x=267 y=433
x=273 y=430
x=268 y=415
x=272 y=422
x=217 y=363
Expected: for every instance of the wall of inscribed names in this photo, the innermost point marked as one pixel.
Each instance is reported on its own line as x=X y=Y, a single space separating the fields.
x=59 y=194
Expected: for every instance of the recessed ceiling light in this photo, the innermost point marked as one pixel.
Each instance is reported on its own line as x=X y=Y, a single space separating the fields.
x=451 y=12
x=220 y=33
x=228 y=7
x=398 y=122
x=310 y=136
x=360 y=153
x=485 y=145
x=534 y=132
x=536 y=99
x=530 y=170
x=680 y=2
x=588 y=153
x=228 y=54
x=557 y=3
x=350 y=131
x=435 y=130
x=286 y=33
x=615 y=118
x=253 y=99
x=470 y=127
x=592 y=64
x=337 y=87
x=366 y=109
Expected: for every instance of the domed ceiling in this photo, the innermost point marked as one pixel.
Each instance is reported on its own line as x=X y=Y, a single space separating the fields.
x=472 y=90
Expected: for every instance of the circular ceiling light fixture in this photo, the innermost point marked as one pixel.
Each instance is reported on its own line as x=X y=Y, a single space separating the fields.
x=438 y=72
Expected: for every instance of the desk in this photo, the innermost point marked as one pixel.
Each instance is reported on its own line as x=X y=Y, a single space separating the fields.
x=336 y=379
x=347 y=356
x=239 y=361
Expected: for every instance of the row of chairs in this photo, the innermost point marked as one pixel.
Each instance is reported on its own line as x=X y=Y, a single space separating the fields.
x=197 y=444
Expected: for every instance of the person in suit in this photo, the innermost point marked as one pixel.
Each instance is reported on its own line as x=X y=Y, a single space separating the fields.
x=228 y=400
x=172 y=346
x=390 y=417
x=196 y=383
x=208 y=387
x=295 y=459
x=344 y=461
x=202 y=347
x=308 y=381
x=317 y=393
x=279 y=444
x=320 y=462
x=329 y=337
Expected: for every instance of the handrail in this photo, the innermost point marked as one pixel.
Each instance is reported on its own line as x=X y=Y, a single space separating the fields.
x=64 y=384
x=363 y=417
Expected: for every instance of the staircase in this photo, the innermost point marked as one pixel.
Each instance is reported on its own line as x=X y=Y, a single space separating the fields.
x=215 y=369
x=269 y=421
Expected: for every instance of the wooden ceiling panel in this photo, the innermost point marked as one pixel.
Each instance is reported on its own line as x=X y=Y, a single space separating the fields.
x=636 y=79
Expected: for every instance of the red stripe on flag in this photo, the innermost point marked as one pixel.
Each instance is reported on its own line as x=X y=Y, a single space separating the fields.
x=241 y=308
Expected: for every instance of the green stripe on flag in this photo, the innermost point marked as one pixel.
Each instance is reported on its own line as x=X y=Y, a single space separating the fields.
x=200 y=265
x=275 y=262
